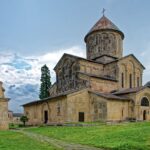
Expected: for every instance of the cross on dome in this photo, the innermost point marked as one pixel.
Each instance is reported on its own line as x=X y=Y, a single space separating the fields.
x=103 y=11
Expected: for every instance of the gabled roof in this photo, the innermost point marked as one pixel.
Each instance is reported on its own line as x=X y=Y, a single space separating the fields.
x=105 y=55
x=104 y=24
x=3 y=98
x=77 y=57
x=51 y=97
x=100 y=77
x=110 y=96
x=105 y=95
x=54 y=84
x=44 y=100
x=130 y=90
x=131 y=55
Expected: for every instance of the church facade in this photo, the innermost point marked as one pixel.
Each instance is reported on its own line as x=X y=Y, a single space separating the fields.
x=106 y=86
x=4 y=121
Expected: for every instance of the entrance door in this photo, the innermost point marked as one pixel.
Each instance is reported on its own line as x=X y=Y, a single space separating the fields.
x=144 y=115
x=81 y=116
x=45 y=116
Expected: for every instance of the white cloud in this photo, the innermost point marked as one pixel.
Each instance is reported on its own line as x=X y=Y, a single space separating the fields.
x=144 y=57
x=22 y=74
x=17 y=69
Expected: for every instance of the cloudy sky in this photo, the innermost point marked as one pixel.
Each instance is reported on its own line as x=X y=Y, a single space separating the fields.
x=38 y=32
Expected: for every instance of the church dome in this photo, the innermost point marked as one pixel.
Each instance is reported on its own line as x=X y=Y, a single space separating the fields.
x=104 y=24
x=104 y=38
x=147 y=84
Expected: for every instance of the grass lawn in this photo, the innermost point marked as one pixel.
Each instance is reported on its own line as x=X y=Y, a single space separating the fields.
x=131 y=136
x=10 y=140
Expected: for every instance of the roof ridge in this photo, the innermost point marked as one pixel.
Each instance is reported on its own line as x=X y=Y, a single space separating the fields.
x=104 y=24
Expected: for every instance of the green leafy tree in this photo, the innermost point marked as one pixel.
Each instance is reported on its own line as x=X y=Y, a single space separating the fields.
x=45 y=82
x=24 y=119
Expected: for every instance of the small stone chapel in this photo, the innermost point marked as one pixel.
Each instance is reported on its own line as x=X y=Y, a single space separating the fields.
x=4 y=121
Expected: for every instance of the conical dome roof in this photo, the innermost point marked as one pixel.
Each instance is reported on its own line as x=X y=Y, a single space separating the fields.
x=147 y=84
x=104 y=24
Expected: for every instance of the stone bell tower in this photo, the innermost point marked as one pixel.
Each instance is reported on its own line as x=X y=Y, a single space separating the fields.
x=3 y=109
x=104 y=41
x=2 y=90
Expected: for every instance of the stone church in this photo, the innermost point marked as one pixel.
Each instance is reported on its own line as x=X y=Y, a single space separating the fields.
x=104 y=86
x=4 y=121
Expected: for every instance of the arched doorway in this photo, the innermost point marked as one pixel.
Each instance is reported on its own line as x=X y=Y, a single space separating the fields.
x=45 y=113
x=145 y=105
x=45 y=116
x=144 y=115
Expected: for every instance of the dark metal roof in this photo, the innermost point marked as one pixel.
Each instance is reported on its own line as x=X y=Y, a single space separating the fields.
x=17 y=114
x=104 y=24
x=105 y=95
x=126 y=57
x=51 y=97
x=105 y=55
x=110 y=96
x=134 y=58
x=81 y=58
x=129 y=90
x=44 y=100
x=3 y=98
x=147 y=84
x=100 y=77
x=10 y=111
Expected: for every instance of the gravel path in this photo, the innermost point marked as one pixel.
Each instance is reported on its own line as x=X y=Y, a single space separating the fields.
x=57 y=143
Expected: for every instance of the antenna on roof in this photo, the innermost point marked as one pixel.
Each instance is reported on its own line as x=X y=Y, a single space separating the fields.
x=103 y=11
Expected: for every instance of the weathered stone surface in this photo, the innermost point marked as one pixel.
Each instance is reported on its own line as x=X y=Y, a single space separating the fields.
x=129 y=65
x=88 y=87
x=3 y=109
x=104 y=43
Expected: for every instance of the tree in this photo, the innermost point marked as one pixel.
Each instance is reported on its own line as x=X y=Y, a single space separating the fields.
x=24 y=119
x=45 y=82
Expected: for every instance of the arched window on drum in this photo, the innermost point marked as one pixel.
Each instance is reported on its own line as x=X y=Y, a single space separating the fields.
x=144 y=102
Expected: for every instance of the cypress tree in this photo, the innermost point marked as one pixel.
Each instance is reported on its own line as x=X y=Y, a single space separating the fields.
x=45 y=82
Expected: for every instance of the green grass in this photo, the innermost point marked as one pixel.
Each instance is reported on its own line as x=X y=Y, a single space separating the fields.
x=10 y=140
x=131 y=136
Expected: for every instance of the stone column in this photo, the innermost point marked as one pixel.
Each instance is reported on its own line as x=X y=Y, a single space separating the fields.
x=1 y=90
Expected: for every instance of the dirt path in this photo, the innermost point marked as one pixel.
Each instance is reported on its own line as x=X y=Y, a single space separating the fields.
x=57 y=143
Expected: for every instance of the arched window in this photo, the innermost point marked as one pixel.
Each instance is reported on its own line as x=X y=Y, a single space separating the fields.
x=130 y=80
x=122 y=80
x=144 y=102
x=58 y=109
x=138 y=81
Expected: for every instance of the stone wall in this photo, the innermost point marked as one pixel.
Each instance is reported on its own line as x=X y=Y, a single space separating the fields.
x=98 y=108
x=135 y=108
x=98 y=84
x=66 y=74
x=104 y=42
x=2 y=90
x=138 y=108
x=103 y=85
x=129 y=66
x=3 y=114
x=111 y=70
x=68 y=108
x=91 y=67
x=3 y=109
x=56 y=109
x=76 y=103
x=117 y=110
x=53 y=89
